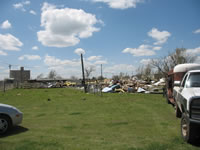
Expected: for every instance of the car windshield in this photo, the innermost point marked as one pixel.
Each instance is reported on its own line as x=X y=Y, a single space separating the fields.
x=194 y=80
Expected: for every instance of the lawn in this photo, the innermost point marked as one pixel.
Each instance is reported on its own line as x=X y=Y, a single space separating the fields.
x=68 y=119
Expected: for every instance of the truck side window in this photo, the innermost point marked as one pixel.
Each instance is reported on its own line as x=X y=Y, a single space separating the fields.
x=184 y=80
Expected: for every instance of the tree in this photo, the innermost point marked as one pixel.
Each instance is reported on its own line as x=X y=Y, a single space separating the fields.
x=52 y=74
x=40 y=76
x=73 y=78
x=144 y=72
x=115 y=77
x=180 y=56
x=88 y=71
x=139 y=71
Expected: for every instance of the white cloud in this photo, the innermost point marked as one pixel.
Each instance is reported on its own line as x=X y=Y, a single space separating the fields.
x=145 y=61
x=21 y=5
x=35 y=48
x=2 y=67
x=65 y=68
x=66 y=26
x=197 y=31
x=32 y=12
x=160 y=36
x=79 y=51
x=195 y=51
x=3 y=53
x=9 y=42
x=157 y=48
x=53 y=61
x=27 y=3
x=116 y=69
x=99 y=62
x=93 y=58
x=142 y=50
x=18 y=6
x=96 y=60
x=30 y=57
x=68 y=68
x=120 y=4
x=6 y=25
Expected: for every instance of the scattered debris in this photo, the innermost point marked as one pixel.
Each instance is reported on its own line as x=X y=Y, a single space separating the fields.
x=141 y=90
x=134 y=86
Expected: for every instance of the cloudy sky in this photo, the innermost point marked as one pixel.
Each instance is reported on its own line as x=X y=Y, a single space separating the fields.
x=119 y=34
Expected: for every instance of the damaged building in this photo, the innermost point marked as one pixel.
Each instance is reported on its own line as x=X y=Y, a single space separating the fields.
x=20 y=75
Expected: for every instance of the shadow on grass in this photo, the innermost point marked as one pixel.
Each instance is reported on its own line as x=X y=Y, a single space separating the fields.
x=14 y=131
x=117 y=124
x=75 y=113
x=196 y=144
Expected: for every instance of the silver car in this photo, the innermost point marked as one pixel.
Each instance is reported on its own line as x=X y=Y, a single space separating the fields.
x=9 y=117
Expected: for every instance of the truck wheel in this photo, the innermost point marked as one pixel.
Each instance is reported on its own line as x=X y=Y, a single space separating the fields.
x=188 y=130
x=5 y=124
x=167 y=100
x=178 y=111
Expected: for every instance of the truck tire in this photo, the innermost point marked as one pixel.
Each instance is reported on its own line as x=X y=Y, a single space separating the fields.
x=167 y=100
x=178 y=111
x=188 y=130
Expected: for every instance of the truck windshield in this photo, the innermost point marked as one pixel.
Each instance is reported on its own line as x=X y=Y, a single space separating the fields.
x=194 y=80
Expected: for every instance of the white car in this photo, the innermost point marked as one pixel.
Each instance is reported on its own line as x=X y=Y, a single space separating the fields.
x=9 y=117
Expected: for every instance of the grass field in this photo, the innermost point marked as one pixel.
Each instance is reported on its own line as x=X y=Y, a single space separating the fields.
x=68 y=119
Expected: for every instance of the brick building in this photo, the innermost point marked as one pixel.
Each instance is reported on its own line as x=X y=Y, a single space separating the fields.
x=20 y=75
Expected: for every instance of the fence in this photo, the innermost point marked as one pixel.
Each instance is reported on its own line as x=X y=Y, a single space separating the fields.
x=10 y=84
x=94 y=89
x=5 y=85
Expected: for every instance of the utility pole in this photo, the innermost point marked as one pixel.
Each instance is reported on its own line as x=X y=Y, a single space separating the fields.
x=101 y=80
x=4 y=86
x=83 y=74
x=9 y=69
x=101 y=73
x=10 y=66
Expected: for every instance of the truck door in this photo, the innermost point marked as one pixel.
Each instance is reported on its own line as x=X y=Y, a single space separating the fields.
x=180 y=97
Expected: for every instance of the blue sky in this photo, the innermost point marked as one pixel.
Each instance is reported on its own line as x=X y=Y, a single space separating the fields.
x=120 y=34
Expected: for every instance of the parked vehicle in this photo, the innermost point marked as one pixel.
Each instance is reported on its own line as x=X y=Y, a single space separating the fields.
x=9 y=117
x=183 y=92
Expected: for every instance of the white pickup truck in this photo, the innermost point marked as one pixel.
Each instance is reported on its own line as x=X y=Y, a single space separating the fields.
x=186 y=99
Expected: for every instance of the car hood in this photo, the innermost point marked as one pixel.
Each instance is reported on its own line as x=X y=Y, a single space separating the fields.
x=8 y=107
x=191 y=92
x=5 y=105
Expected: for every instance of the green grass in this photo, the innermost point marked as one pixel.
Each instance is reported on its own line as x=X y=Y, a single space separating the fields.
x=68 y=119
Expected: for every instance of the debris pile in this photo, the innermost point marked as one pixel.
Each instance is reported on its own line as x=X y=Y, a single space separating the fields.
x=133 y=86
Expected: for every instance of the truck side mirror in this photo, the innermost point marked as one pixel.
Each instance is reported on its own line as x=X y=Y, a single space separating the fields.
x=177 y=83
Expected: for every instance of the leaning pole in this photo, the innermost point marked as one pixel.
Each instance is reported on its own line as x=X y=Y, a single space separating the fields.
x=83 y=74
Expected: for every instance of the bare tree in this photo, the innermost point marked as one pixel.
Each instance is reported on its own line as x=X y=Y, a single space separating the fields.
x=144 y=71
x=180 y=56
x=140 y=71
x=52 y=74
x=115 y=77
x=88 y=71
x=74 y=78
x=40 y=76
